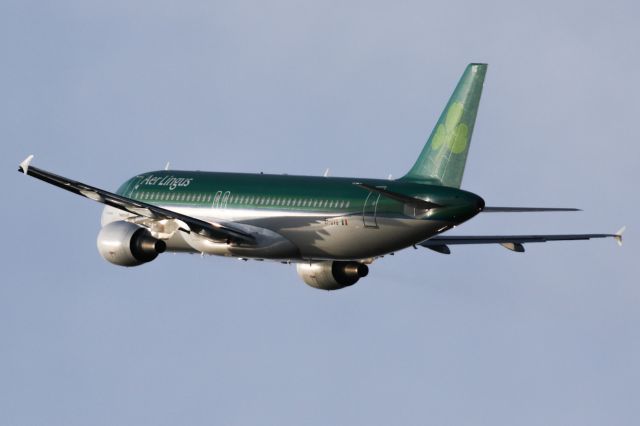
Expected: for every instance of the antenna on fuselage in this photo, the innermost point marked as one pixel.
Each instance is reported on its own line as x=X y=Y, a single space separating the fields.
x=166 y=166
x=326 y=173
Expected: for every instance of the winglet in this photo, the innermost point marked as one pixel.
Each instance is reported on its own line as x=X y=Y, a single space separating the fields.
x=24 y=166
x=618 y=235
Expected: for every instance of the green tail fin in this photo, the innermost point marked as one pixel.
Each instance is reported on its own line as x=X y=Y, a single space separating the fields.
x=444 y=155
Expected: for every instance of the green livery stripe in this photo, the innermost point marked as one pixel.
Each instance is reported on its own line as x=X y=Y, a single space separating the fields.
x=281 y=193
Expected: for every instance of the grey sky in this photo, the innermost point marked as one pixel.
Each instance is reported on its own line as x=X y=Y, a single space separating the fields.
x=101 y=90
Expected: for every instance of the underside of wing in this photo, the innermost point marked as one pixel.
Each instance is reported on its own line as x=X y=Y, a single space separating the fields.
x=512 y=242
x=214 y=231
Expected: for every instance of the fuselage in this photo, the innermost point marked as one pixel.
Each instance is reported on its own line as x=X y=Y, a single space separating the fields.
x=300 y=217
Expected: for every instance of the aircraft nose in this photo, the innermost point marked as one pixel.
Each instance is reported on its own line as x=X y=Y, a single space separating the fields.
x=479 y=203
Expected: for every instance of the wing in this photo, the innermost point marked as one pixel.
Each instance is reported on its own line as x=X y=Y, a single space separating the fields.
x=211 y=230
x=426 y=205
x=512 y=242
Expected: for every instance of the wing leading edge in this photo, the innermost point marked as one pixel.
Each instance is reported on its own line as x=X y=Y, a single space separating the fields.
x=213 y=231
x=512 y=242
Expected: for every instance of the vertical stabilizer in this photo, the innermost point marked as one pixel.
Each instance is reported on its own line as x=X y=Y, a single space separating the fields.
x=445 y=153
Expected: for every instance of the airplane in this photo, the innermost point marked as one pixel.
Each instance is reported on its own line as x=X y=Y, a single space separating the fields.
x=331 y=228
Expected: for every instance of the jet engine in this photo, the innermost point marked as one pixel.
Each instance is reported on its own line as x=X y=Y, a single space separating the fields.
x=330 y=275
x=126 y=244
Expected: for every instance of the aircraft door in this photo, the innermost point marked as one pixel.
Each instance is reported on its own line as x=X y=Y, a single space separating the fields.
x=370 y=209
x=225 y=199
x=216 y=200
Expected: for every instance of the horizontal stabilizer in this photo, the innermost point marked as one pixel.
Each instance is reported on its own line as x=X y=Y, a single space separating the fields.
x=405 y=199
x=527 y=209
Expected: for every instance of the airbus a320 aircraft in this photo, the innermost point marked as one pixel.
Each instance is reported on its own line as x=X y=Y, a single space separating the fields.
x=330 y=227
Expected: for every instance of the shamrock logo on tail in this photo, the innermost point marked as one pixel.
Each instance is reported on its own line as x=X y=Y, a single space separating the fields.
x=452 y=134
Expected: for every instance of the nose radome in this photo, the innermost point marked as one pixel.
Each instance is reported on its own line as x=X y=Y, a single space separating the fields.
x=479 y=203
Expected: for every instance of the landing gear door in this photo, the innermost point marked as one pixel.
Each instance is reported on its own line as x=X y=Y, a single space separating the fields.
x=370 y=210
